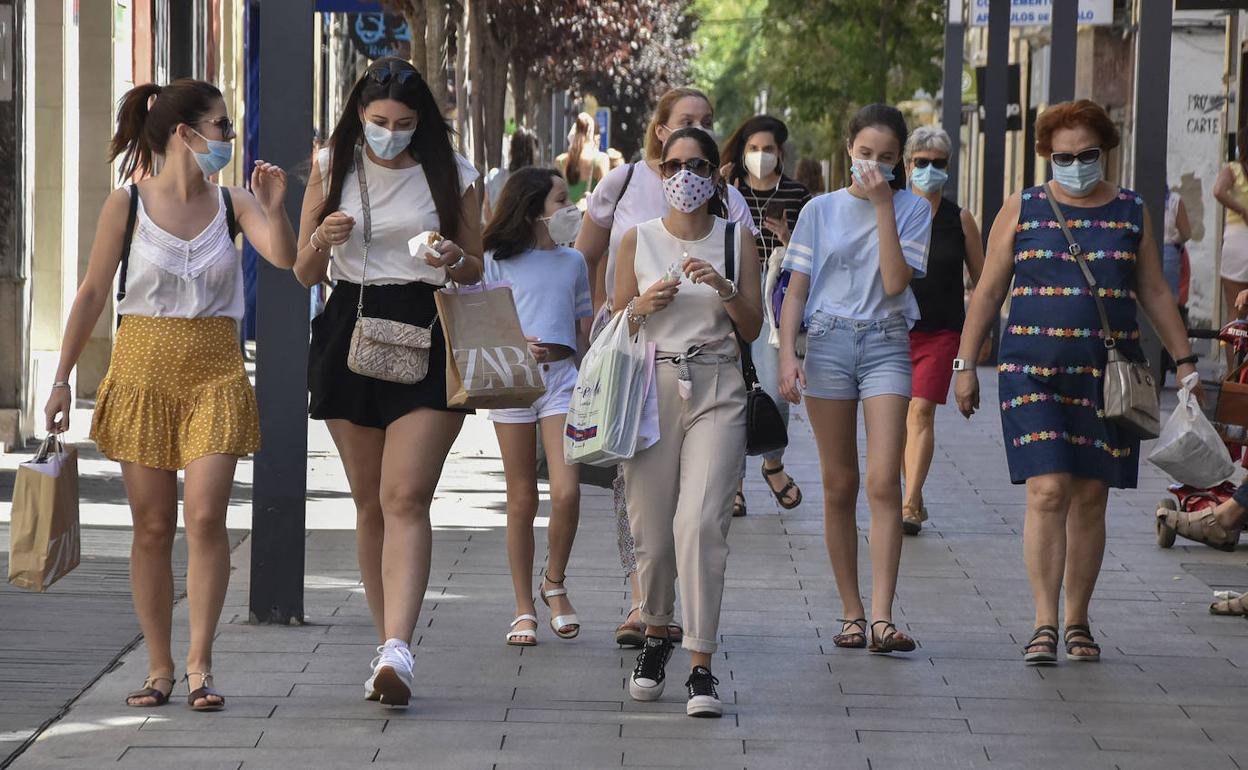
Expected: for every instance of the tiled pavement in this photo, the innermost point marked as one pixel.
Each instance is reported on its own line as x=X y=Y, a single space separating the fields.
x=1170 y=691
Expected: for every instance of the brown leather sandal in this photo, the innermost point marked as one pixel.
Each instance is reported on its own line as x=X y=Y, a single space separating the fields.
x=851 y=640
x=912 y=519
x=633 y=633
x=892 y=640
x=150 y=690
x=1202 y=526
x=203 y=692
x=783 y=494
x=1235 y=606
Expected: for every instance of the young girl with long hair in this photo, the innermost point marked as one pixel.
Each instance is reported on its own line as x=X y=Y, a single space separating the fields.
x=388 y=175
x=853 y=255
x=176 y=396
x=550 y=284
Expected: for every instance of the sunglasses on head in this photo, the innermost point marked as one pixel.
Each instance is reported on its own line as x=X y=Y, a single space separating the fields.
x=699 y=166
x=1067 y=158
x=384 y=75
x=222 y=124
x=933 y=162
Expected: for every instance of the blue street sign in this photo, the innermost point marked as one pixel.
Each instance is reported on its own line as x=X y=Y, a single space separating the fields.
x=602 y=116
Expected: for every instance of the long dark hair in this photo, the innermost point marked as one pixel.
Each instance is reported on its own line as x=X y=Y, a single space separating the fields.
x=710 y=151
x=581 y=135
x=889 y=118
x=734 y=148
x=523 y=149
x=521 y=203
x=389 y=78
x=147 y=116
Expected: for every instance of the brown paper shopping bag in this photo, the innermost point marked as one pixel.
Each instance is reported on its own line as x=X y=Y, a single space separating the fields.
x=488 y=362
x=44 y=535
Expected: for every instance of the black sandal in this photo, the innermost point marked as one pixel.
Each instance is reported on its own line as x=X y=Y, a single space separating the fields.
x=738 y=505
x=1044 y=637
x=851 y=640
x=784 y=491
x=150 y=690
x=1076 y=632
x=892 y=640
x=203 y=692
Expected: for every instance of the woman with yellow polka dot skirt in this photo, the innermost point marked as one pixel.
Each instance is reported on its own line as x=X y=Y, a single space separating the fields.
x=176 y=396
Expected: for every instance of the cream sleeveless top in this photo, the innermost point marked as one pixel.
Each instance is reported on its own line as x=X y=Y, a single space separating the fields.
x=696 y=315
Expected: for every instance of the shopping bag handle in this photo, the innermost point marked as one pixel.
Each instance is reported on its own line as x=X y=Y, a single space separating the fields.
x=51 y=444
x=482 y=286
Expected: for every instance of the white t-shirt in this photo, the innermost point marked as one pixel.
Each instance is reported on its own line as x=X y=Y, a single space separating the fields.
x=836 y=242
x=402 y=207
x=551 y=290
x=643 y=201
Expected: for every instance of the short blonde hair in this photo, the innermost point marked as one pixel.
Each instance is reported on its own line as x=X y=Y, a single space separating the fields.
x=928 y=139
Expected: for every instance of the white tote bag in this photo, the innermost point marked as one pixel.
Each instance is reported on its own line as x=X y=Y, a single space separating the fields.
x=605 y=416
x=1189 y=448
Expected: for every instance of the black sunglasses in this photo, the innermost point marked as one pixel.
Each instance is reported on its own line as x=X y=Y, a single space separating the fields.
x=934 y=162
x=384 y=75
x=699 y=166
x=1066 y=158
x=222 y=124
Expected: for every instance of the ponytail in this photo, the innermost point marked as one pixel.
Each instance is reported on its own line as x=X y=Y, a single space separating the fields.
x=128 y=143
x=581 y=135
x=147 y=116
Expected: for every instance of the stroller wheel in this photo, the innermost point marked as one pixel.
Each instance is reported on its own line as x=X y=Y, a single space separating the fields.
x=1166 y=533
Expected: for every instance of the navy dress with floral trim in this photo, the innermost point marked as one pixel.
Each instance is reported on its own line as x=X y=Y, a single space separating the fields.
x=1052 y=360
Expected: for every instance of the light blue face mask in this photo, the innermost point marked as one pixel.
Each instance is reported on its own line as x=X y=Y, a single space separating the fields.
x=1078 y=179
x=860 y=165
x=387 y=144
x=218 y=155
x=928 y=179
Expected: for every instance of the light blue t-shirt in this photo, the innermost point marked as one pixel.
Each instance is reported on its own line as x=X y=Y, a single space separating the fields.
x=837 y=244
x=551 y=289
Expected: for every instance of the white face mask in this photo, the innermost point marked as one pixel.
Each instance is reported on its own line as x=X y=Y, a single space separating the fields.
x=387 y=144
x=761 y=164
x=564 y=225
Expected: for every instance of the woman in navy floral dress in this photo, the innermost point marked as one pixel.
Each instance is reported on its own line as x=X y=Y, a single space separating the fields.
x=1053 y=354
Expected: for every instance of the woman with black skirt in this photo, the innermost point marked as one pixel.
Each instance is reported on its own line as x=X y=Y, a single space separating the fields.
x=388 y=175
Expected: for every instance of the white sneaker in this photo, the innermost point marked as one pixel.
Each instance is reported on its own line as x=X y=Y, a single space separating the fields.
x=370 y=692
x=392 y=676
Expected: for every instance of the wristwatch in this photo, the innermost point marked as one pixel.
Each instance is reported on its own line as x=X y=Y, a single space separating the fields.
x=960 y=365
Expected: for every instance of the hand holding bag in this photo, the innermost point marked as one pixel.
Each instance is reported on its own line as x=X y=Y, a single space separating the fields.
x=488 y=361
x=1131 y=400
x=764 y=426
x=387 y=350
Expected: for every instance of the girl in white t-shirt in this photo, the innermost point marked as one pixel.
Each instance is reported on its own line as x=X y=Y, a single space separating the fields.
x=550 y=284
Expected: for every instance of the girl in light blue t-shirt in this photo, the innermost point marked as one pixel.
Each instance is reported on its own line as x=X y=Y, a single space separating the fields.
x=550 y=283
x=852 y=256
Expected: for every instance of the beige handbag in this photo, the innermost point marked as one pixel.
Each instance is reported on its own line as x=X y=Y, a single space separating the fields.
x=1131 y=400
x=380 y=348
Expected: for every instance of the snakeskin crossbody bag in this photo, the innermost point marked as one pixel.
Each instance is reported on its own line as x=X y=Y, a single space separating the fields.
x=387 y=350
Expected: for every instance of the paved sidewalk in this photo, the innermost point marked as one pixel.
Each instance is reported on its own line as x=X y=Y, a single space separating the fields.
x=1170 y=691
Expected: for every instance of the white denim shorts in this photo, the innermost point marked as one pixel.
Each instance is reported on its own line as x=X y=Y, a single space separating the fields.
x=559 y=377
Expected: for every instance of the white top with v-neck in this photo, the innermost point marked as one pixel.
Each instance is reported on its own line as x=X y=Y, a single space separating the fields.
x=170 y=277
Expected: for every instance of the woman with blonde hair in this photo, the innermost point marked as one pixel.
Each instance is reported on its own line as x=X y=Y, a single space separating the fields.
x=583 y=166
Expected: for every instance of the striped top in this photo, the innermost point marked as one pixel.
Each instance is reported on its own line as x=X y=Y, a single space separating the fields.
x=788 y=193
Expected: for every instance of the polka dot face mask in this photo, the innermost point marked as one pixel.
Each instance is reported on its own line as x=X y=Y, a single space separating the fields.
x=686 y=191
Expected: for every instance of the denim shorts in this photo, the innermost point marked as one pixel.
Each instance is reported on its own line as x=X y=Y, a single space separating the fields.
x=848 y=360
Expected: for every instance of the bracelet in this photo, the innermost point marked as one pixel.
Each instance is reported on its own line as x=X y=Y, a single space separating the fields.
x=631 y=315
x=1192 y=359
x=312 y=241
x=463 y=255
x=62 y=384
x=732 y=292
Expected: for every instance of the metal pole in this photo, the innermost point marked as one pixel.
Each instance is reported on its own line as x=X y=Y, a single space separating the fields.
x=1063 y=50
x=996 y=92
x=951 y=92
x=280 y=490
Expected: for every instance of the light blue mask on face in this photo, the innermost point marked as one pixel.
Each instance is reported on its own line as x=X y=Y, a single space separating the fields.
x=928 y=179
x=387 y=144
x=1078 y=179
x=218 y=155
x=860 y=165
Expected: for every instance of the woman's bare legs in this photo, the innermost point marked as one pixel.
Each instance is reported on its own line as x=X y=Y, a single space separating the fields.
x=153 y=496
x=885 y=418
x=835 y=425
x=1044 y=542
x=565 y=510
x=518 y=445
x=920 y=448
x=1085 y=549
x=361 y=449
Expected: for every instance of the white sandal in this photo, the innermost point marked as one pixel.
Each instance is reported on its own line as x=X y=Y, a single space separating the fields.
x=525 y=637
x=559 y=622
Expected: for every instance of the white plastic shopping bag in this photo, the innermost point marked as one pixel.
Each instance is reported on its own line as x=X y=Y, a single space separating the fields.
x=604 y=418
x=1189 y=448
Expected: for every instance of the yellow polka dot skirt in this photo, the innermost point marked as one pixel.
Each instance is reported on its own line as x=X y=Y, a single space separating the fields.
x=175 y=391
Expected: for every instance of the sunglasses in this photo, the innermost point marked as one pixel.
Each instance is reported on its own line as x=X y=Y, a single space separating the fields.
x=699 y=166
x=400 y=76
x=222 y=124
x=1067 y=158
x=933 y=162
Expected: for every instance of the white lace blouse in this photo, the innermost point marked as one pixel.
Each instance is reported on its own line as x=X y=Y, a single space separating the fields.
x=169 y=277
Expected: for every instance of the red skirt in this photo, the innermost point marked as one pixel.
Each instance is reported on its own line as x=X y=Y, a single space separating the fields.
x=932 y=355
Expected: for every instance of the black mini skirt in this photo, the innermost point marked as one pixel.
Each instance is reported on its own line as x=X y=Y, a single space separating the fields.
x=337 y=393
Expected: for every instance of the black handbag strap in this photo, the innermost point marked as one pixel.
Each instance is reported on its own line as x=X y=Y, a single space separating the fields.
x=731 y=256
x=131 y=218
x=1076 y=251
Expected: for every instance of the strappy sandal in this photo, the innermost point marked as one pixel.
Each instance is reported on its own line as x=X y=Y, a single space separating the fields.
x=559 y=623
x=1202 y=526
x=1044 y=637
x=633 y=634
x=1075 y=635
x=783 y=494
x=892 y=640
x=851 y=640
x=1236 y=605
x=912 y=519
x=203 y=692
x=738 y=505
x=150 y=690
x=524 y=637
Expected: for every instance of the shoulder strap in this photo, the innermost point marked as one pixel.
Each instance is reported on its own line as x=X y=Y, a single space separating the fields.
x=1076 y=251
x=367 y=232
x=731 y=255
x=230 y=220
x=627 y=178
x=131 y=219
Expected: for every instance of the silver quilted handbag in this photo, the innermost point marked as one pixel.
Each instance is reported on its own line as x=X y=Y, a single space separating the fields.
x=382 y=349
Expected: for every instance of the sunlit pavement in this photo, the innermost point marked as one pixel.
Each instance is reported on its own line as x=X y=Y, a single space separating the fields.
x=1169 y=692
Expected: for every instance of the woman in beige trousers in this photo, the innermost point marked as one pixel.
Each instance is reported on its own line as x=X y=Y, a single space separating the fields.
x=680 y=490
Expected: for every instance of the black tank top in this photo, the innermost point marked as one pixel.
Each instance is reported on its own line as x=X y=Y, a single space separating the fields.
x=939 y=293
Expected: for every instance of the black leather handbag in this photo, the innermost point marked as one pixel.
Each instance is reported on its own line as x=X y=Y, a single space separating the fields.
x=764 y=427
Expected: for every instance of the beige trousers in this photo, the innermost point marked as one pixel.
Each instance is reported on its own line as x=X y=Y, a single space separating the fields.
x=680 y=496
